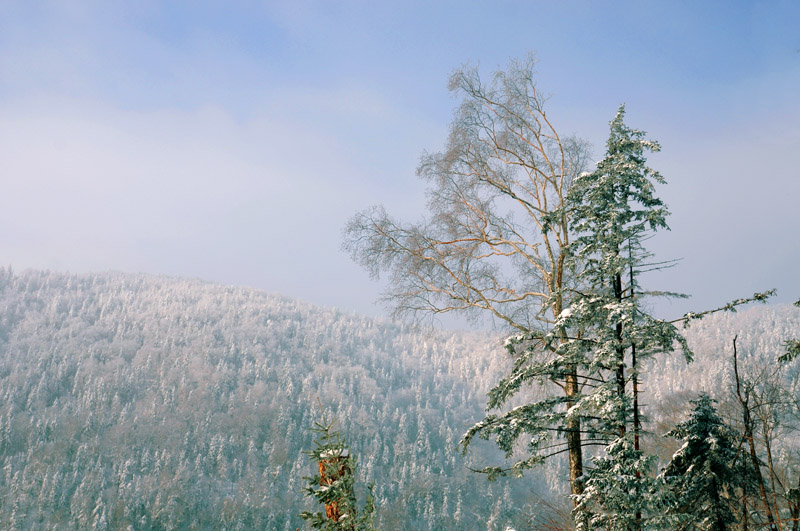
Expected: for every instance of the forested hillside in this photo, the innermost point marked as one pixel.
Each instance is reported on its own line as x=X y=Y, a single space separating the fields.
x=159 y=403
x=163 y=403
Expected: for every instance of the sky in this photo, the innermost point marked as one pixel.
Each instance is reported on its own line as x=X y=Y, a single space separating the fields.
x=231 y=141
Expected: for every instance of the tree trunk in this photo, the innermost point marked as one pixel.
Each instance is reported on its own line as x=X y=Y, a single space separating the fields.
x=748 y=433
x=620 y=377
x=573 y=426
x=719 y=523
x=571 y=391
x=635 y=382
x=772 y=475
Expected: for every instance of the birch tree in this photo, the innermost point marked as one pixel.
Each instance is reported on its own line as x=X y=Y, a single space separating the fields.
x=503 y=175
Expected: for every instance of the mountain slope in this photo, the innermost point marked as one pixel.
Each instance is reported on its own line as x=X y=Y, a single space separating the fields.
x=165 y=403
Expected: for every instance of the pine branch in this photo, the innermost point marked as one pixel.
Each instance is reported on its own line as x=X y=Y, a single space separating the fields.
x=729 y=307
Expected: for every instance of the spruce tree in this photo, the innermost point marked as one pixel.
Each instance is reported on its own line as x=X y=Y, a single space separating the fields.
x=705 y=472
x=614 y=209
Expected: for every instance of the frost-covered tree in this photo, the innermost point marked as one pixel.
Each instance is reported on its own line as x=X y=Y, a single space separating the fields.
x=334 y=486
x=614 y=209
x=706 y=471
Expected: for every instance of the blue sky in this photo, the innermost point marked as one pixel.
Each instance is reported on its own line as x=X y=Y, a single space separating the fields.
x=231 y=141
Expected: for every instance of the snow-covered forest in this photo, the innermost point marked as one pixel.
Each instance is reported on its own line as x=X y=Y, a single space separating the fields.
x=162 y=403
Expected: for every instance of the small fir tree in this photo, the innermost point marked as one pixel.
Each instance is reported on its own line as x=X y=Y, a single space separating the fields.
x=334 y=486
x=706 y=471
